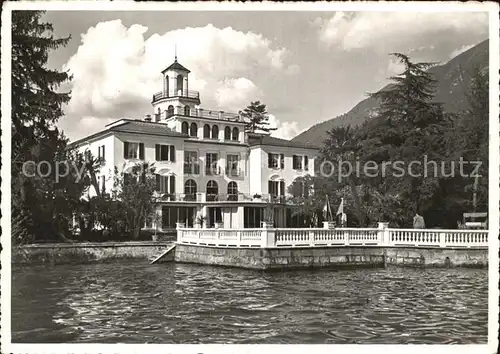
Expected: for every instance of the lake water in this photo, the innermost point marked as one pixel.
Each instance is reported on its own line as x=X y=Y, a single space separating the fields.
x=180 y=303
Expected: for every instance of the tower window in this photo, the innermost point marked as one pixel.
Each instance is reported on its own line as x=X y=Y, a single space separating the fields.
x=187 y=111
x=227 y=133
x=206 y=131
x=215 y=132
x=185 y=128
x=170 y=111
x=193 y=129
x=236 y=133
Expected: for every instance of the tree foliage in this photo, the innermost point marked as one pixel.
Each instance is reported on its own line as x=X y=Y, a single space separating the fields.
x=256 y=117
x=135 y=190
x=39 y=203
x=411 y=127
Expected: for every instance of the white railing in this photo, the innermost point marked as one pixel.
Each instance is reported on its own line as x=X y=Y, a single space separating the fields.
x=318 y=237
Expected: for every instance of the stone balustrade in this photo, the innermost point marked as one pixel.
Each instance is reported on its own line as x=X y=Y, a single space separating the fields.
x=382 y=236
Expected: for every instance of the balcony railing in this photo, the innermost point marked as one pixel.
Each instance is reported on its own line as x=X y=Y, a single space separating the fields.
x=337 y=237
x=202 y=197
x=176 y=93
x=212 y=170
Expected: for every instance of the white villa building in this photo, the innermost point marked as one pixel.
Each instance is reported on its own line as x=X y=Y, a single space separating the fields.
x=206 y=164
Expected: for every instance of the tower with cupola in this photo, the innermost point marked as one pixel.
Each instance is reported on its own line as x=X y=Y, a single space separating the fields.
x=175 y=97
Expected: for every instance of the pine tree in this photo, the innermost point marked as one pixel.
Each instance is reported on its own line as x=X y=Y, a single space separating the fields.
x=36 y=107
x=409 y=126
x=256 y=117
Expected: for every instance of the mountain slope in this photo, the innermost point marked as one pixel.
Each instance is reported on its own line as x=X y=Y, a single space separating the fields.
x=453 y=82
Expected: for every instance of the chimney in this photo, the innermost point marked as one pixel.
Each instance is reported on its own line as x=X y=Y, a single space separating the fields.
x=147 y=118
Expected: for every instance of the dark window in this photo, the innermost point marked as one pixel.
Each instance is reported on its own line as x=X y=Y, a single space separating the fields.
x=161 y=183
x=211 y=167
x=170 y=111
x=206 y=131
x=193 y=129
x=273 y=188
x=101 y=154
x=165 y=152
x=187 y=111
x=306 y=163
x=180 y=82
x=190 y=189
x=185 y=128
x=297 y=162
x=236 y=134
x=232 y=190
x=215 y=132
x=212 y=190
x=273 y=160
x=191 y=163
x=227 y=133
x=232 y=162
x=133 y=150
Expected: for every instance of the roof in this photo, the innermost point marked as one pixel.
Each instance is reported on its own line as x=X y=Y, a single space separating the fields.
x=176 y=66
x=135 y=127
x=271 y=141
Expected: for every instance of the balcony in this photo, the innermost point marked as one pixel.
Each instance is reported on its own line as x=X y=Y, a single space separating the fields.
x=202 y=197
x=234 y=172
x=212 y=171
x=194 y=95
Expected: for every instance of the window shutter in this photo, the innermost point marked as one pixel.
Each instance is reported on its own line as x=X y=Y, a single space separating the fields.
x=103 y=155
x=157 y=182
x=172 y=153
x=269 y=187
x=125 y=149
x=282 y=188
x=306 y=163
x=294 y=162
x=141 y=151
x=269 y=160
x=157 y=152
x=282 y=161
x=196 y=167
x=172 y=184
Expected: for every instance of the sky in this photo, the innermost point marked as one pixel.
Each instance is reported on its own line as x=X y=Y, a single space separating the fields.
x=306 y=67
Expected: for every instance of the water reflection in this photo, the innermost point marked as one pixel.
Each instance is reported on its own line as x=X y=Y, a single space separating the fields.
x=195 y=304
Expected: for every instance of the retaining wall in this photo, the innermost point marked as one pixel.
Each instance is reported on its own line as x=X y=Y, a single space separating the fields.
x=346 y=256
x=77 y=253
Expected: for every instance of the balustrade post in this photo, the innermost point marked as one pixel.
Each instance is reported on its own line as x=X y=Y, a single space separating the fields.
x=268 y=237
x=345 y=235
x=384 y=235
x=311 y=238
x=238 y=237
x=442 y=239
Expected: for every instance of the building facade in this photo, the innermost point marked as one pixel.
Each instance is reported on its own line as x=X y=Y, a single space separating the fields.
x=208 y=168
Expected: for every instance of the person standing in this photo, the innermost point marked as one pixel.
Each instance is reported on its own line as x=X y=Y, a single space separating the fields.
x=418 y=221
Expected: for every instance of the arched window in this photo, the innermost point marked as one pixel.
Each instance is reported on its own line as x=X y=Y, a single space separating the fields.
x=167 y=86
x=185 y=128
x=236 y=134
x=187 y=111
x=227 y=133
x=190 y=189
x=232 y=191
x=206 y=131
x=193 y=129
x=212 y=190
x=215 y=132
x=170 y=111
x=180 y=83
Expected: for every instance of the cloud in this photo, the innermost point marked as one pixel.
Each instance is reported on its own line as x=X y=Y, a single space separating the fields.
x=234 y=94
x=460 y=50
x=116 y=69
x=396 y=31
x=285 y=130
